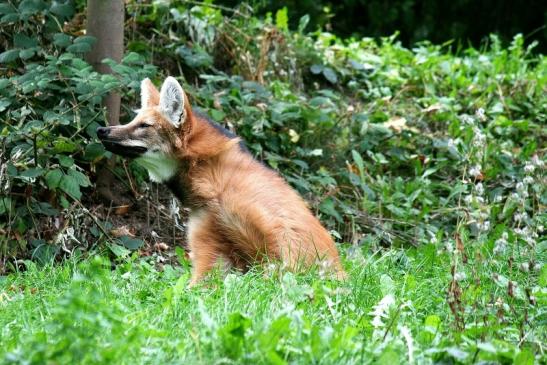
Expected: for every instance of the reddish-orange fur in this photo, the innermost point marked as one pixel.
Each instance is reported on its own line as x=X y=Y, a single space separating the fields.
x=241 y=211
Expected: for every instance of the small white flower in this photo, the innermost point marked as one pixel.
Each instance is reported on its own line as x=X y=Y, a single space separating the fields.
x=525 y=267
x=528 y=180
x=537 y=162
x=500 y=246
x=484 y=226
x=475 y=171
x=467 y=119
x=381 y=310
x=479 y=189
x=459 y=276
x=530 y=241
x=529 y=168
x=480 y=114
x=479 y=138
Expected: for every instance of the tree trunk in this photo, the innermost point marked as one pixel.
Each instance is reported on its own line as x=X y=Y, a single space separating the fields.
x=105 y=21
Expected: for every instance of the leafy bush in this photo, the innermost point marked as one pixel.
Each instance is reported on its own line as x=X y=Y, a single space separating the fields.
x=51 y=107
x=377 y=136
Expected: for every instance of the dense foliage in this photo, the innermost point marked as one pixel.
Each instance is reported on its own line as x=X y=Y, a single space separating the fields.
x=393 y=147
x=460 y=21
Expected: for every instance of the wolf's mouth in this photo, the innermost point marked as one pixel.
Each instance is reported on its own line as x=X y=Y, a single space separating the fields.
x=122 y=150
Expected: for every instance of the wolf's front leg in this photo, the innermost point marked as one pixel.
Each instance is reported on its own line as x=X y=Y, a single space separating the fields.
x=205 y=245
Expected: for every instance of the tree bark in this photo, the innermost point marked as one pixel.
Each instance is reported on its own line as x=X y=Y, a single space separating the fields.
x=105 y=21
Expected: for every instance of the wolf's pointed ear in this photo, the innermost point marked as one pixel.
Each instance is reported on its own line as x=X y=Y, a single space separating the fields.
x=150 y=96
x=172 y=101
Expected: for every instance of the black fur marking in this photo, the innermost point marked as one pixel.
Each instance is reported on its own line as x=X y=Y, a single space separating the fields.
x=221 y=129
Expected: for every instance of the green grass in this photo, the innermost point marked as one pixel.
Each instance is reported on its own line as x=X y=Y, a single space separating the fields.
x=87 y=312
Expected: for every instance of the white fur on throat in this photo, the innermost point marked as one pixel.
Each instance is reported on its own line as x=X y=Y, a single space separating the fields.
x=161 y=168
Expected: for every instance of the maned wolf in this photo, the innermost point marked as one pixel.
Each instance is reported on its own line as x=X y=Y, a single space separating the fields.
x=241 y=211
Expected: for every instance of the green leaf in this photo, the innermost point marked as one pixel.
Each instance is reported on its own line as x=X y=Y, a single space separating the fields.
x=87 y=39
x=4 y=103
x=4 y=83
x=303 y=23
x=70 y=185
x=62 y=39
x=524 y=357
x=25 y=54
x=330 y=75
x=232 y=334
x=132 y=57
x=217 y=115
x=9 y=56
x=22 y=41
x=80 y=178
x=6 y=205
x=118 y=251
x=65 y=9
x=316 y=69
x=328 y=207
x=131 y=243
x=30 y=7
x=457 y=353
x=93 y=151
x=6 y=9
x=359 y=162
x=9 y=18
x=282 y=19
x=487 y=347
x=65 y=161
x=79 y=48
x=53 y=178
x=543 y=277
x=433 y=321
x=63 y=145
x=32 y=173
x=388 y=357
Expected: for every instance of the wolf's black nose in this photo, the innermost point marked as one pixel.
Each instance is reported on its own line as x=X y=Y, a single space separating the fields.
x=102 y=132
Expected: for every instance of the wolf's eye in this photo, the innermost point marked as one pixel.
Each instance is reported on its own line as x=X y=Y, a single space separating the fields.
x=144 y=125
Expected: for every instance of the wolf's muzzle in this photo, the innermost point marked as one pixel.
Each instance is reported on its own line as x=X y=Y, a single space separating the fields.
x=116 y=146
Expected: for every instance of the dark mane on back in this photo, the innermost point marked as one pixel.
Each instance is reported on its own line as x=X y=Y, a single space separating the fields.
x=225 y=132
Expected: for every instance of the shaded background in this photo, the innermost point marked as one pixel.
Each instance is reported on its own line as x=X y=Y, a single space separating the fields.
x=468 y=22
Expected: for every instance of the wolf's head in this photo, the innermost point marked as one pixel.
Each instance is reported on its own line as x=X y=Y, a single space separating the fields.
x=155 y=136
